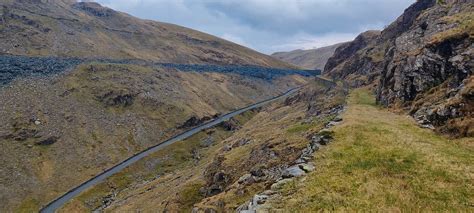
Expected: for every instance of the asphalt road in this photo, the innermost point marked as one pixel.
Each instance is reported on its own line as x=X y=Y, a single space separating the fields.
x=60 y=201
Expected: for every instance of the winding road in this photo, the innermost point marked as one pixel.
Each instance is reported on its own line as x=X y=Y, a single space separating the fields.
x=60 y=201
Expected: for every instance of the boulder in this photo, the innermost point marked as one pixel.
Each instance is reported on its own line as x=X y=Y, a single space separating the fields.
x=259 y=199
x=246 y=179
x=307 y=167
x=227 y=148
x=293 y=171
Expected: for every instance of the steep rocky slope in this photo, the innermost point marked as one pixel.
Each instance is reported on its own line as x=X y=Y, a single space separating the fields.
x=220 y=168
x=422 y=62
x=308 y=59
x=83 y=87
x=86 y=29
x=58 y=131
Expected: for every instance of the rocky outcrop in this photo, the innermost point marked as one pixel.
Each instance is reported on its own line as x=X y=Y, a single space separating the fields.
x=195 y=121
x=422 y=63
x=94 y=9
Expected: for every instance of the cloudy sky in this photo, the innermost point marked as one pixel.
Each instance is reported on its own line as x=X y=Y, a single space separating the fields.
x=270 y=25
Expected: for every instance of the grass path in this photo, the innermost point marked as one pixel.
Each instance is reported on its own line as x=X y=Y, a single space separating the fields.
x=382 y=161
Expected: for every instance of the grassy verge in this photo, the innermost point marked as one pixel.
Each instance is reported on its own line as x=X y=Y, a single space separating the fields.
x=382 y=161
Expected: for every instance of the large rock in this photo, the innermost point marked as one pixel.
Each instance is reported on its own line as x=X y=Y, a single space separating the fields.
x=293 y=171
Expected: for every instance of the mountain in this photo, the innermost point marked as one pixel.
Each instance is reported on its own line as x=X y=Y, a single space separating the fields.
x=68 y=114
x=83 y=87
x=422 y=63
x=86 y=29
x=308 y=59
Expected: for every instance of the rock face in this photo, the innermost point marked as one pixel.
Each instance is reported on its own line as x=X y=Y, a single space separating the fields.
x=422 y=62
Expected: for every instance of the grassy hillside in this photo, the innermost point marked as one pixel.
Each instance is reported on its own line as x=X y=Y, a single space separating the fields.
x=308 y=59
x=264 y=140
x=382 y=161
x=58 y=131
x=68 y=29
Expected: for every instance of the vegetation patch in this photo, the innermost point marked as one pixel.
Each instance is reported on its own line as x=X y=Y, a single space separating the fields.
x=176 y=157
x=302 y=127
x=28 y=205
x=464 y=26
x=190 y=195
x=381 y=161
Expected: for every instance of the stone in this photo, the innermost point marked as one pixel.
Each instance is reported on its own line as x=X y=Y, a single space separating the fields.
x=309 y=167
x=268 y=192
x=37 y=122
x=307 y=151
x=257 y=172
x=48 y=141
x=337 y=118
x=325 y=133
x=300 y=160
x=279 y=184
x=243 y=207
x=293 y=171
x=245 y=179
x=332 y=123
x=241 y=142
x=428 y=126
x=227 y=148
x=315 y=146
x=324 y=141
x=259 y=199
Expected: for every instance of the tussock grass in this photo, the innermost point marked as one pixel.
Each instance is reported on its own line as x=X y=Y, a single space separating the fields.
x=381 y=161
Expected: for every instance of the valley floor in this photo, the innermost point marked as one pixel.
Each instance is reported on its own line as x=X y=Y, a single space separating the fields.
x=382 y=161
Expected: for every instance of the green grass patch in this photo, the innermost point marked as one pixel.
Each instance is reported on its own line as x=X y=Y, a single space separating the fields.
x=362 y=97
x=380 y=161
x=189 y=195
x=302 y=127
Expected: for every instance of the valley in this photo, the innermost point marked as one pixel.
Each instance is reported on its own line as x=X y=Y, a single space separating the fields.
x=101 y=111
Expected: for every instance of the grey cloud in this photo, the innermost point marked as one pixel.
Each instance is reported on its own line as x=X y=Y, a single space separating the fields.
x=270 y=25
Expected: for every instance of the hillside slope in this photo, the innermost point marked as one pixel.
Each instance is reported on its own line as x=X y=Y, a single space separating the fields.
x=308 y=59
x=68 y=29
x=382 y=161
x=218 y=169
x=422 y=63
x=82 y=88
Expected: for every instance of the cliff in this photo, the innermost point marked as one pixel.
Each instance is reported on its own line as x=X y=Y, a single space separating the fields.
x=421 y=63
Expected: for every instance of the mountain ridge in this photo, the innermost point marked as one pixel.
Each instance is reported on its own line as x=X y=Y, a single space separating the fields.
x=87 y=29
x=309 y=59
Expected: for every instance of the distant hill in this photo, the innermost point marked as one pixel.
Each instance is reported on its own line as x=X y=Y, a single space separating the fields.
x=67 y=28
x=308 y=59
